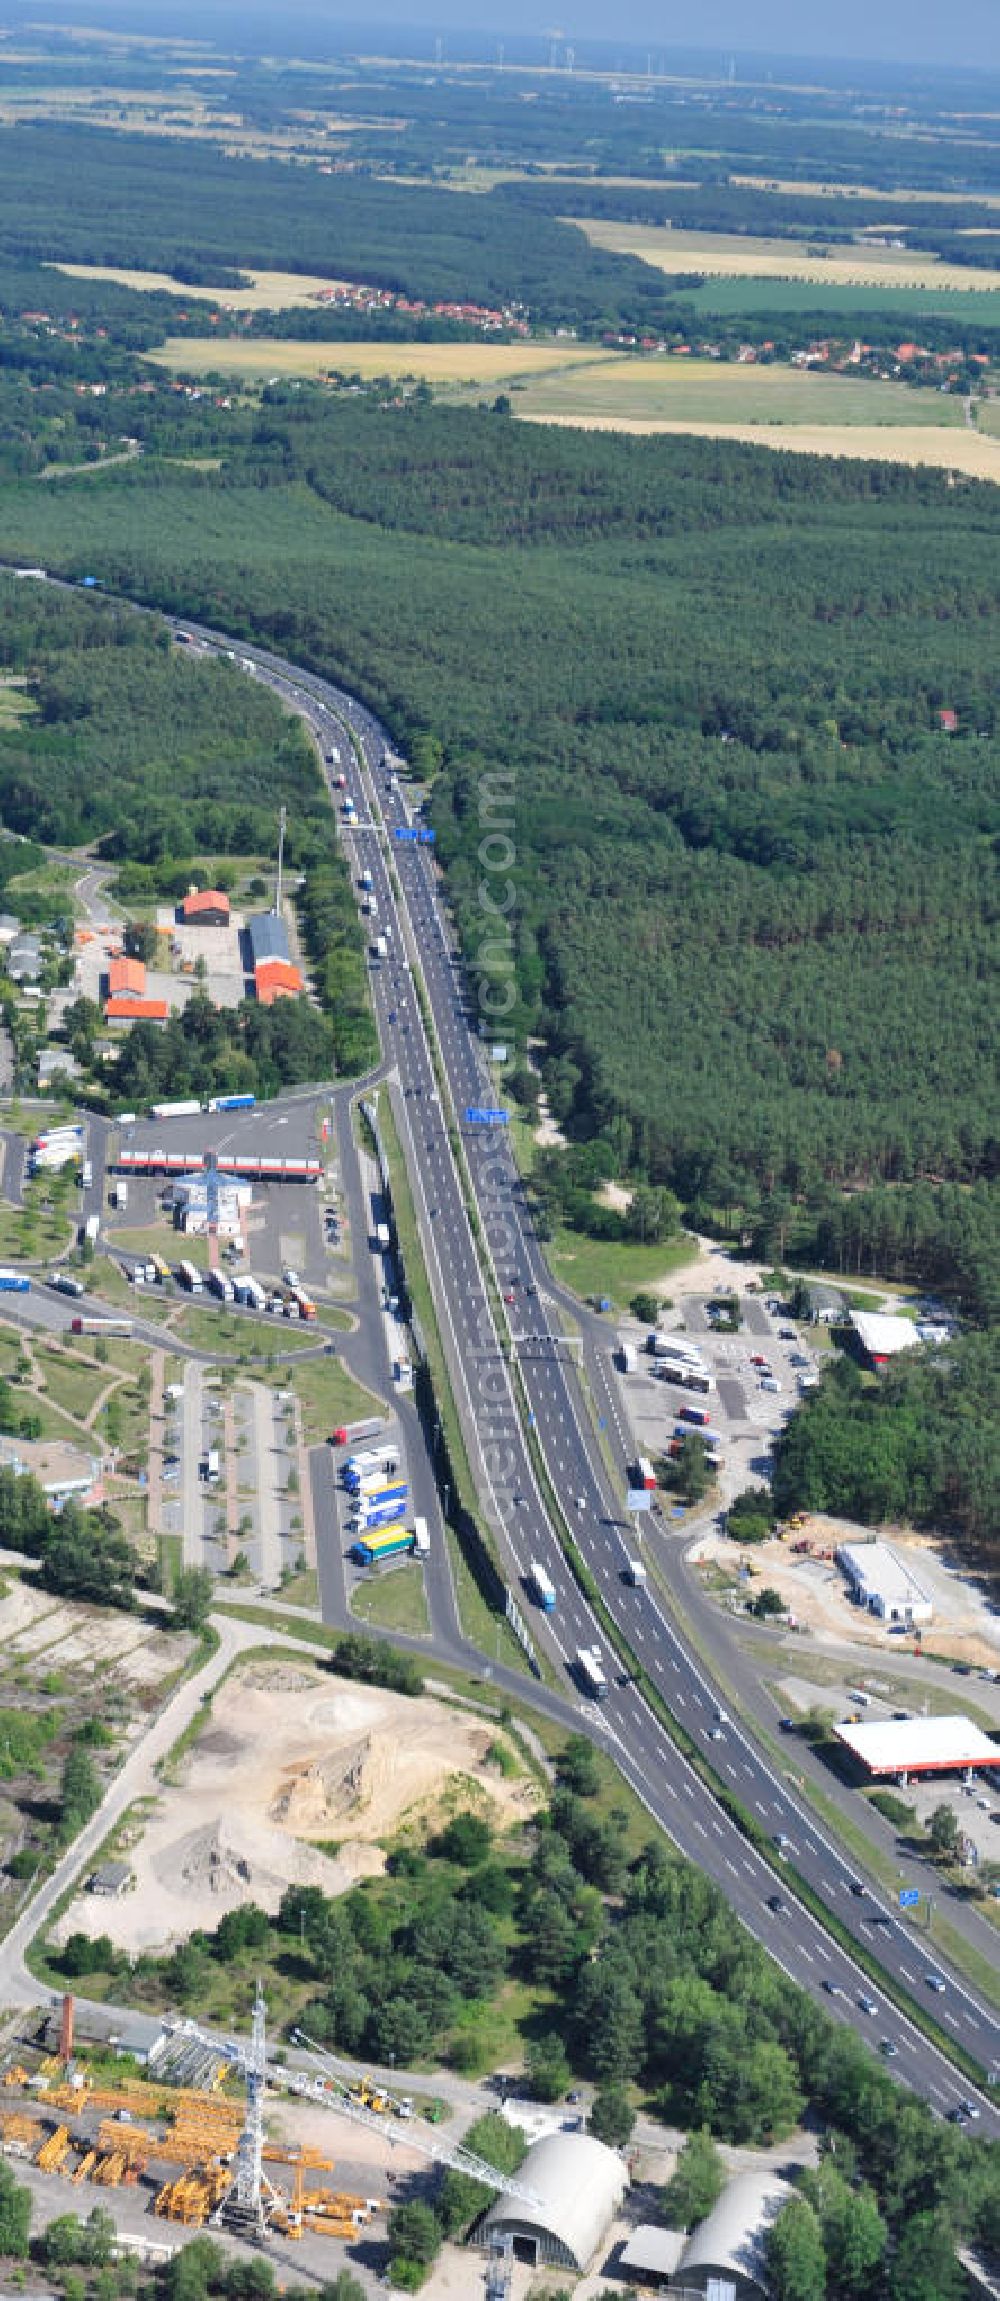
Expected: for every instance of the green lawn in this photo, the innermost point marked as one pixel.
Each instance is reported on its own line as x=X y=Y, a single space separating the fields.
x=69 y=1384
x=600 y=1266
x=162 y=1238
x=728 y=299
x=210 y=1326
x=394 y=1599
x=327 y=1394
x=711 y=391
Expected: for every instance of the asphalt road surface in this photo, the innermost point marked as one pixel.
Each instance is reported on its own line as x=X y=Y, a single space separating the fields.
x=417 y=930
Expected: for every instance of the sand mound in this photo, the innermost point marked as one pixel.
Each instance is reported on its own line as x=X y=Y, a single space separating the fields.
x=288 y=1755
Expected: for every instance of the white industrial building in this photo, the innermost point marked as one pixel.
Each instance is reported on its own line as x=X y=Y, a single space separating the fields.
x=883 y=1583
x=202 y=1202
x=882 y=1338
x=579 y=2185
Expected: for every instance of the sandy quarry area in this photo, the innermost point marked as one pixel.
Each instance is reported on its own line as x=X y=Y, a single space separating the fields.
x=963 y=1627
x=290 y=1761
x=53 y=1632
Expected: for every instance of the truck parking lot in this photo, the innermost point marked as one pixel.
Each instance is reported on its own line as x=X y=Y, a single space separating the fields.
x=756 y=1377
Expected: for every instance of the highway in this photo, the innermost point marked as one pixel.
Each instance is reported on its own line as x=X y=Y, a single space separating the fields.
x=417 y=933
x=411 y=916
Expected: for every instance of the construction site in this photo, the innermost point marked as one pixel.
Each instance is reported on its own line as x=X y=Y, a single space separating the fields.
x=198 y=2154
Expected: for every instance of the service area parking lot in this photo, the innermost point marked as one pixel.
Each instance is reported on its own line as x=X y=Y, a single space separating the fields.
x=286 y=1225
x=233 y=1475
x=756 y=1377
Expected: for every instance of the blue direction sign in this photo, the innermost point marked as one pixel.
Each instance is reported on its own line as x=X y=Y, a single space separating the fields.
x=475 y=1117
x=909 y=1897
x=415 y=835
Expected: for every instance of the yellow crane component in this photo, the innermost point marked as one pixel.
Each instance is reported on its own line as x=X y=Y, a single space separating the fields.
x=14 y=2077
x=20 y=2134
x=83 y=2171
x=130 y=2141
x=54 y=2152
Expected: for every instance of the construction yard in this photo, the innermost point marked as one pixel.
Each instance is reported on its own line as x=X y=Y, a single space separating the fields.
x=801 y=1566
x=295 y=1779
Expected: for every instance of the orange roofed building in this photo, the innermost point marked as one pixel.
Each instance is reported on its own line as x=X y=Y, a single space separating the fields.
x=277 y=979
x=206 y=907
x=132 y=1010
x=127 y=979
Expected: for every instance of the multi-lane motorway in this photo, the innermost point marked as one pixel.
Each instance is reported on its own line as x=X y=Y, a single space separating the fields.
x=411 y=917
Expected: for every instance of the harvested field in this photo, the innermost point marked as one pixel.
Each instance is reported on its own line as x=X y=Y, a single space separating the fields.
x=268 y=292
x=723 y=256
x=946 y=450
x=475 y=363
x=289 y=1761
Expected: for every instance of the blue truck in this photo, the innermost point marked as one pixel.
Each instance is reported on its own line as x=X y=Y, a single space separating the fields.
x=14 y=1282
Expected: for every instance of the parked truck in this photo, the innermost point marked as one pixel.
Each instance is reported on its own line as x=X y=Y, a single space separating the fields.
x=353 y=1433
x=378 y=1462
x=221 y=1285
x=421 y=1538
x=14 y=1282
x=119 y=1195
x=627 y=1358
x=372 y=1548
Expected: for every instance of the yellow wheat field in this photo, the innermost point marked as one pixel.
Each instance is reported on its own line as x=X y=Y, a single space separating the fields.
x=472 y=363
x=732 y=257
x=965 y=452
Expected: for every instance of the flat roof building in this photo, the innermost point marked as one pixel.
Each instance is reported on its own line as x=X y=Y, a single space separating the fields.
x=64 y=1472
x=883 y=1338
x=128 y=1009
x=901 y=1747
x=883 y=1583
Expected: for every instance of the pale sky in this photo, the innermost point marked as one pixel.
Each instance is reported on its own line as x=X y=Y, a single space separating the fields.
x=901 y=31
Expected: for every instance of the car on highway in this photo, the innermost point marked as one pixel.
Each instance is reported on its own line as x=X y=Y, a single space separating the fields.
x=509 y=1295
x=935 y=1981
x=867 y=2005
x=888 y=2047
x=832 y=1988
x=774 y=1902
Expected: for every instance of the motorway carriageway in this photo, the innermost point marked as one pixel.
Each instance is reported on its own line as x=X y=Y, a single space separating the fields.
x=505 y=1476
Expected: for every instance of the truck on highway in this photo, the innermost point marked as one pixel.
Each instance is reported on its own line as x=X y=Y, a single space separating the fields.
x=590 y=1672
x=380 y=947
x=62 y=1282
x=395 y=1542
x=635 y=1573
x=544 y=1589
x=14 y=1282
x=366 y=882
x=381 y=1238
x=421 y=1538
x=86 y=1175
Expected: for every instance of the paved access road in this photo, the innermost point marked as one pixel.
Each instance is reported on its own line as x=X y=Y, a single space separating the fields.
x=416 y=931
x=415 y=925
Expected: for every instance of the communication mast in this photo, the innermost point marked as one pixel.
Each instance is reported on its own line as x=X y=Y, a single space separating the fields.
x=282 y=821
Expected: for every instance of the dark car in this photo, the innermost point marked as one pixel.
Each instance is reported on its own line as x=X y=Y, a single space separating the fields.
x=775 y=1903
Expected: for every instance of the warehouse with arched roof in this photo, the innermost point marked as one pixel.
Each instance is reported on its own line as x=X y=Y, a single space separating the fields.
x=579 y=2185
x=726 y=2255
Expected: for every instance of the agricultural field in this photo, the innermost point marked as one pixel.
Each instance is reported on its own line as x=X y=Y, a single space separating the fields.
x=265 y=291
x=682 y=391
x=739 y=256
x=942 y=450
x=472 y=363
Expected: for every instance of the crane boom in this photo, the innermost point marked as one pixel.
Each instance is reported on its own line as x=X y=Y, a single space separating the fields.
x=431 y=2145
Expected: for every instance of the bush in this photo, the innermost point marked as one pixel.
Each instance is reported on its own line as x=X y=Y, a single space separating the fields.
x=466 y=1840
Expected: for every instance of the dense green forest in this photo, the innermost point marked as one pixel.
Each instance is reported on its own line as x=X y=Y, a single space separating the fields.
x=77 y=195
x=755 y=896
x=636 y=1972
x=923 y=1444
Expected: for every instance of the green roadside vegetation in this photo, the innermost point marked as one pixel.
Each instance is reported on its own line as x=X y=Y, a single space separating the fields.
x=392 y=1600
x=618 y=1270
x=328 y=1395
